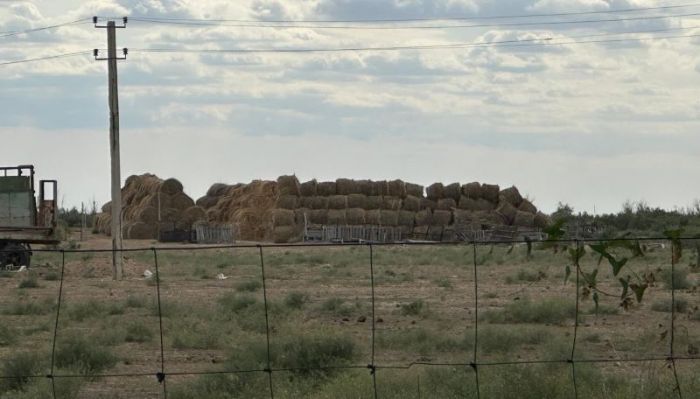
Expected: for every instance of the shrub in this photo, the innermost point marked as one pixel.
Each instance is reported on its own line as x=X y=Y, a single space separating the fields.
x=51 y=276
x=681 y=305
x=502 y=340
x=8 y=335
x=137 y=332
x=337 y=307
x=296 y=300
x=237 y=303
x=549 y=311
x=84 y=356
x=86 y=310
x=414 y=308
x=307 y=354
x=443 y=282
x=248 y=286
x=135 y=302
x=678 y=281
x=525 y=275
x=30 y=308
x=29 y=282
x=17 y=367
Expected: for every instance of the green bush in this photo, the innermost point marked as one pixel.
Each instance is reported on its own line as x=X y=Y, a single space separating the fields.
x=681 y=305
x=30 y=308
x=296 y=300
x=17 y=367
x=8 y=335
x=51 y=276
x=137 y=332
x=527 y=276
x=679 y=280
x=337 y=307
x=248 y=286
x=236 y=303
x=548 y=311
x=135 y=302
x=29 y=282
x=84 y=356
x=414 y=308
x=502 y=340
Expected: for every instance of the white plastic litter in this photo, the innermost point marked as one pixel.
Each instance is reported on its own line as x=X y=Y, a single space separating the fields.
x=22 y=269
x=147 y=273
x=221 y=276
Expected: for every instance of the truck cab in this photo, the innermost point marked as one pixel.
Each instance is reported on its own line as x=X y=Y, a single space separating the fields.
x=25 y=219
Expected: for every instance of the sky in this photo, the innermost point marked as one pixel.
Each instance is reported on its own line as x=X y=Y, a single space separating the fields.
x=592 y=125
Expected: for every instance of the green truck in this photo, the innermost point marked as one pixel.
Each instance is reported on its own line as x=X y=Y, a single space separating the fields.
x=25 y=219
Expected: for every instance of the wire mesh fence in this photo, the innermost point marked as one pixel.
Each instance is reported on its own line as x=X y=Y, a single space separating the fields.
x=561 y=319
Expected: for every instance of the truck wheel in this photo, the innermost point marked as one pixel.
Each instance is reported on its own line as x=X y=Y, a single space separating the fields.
x=15 y=255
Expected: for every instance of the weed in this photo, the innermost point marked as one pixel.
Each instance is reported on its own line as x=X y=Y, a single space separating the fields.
x=548 y=311
x=678 y=281
x=138 y=332
x=526 y=276
x=248 y=286
x=135 y=302
x=29 y=282
x=236 y=303
x=8 y=335
x=83 y=355
x=86 y=310
x=664 y=305
x=30 y=308
x=503 y=340
x=414 y=308
x=17 y=367
x=51 y=276
x=443 y=282
x=337 y=307
x=296 y=300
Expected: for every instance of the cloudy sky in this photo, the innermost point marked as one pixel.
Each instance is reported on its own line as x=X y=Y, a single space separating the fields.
x=591 y=124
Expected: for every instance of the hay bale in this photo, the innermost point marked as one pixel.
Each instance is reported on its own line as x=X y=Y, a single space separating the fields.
x=207 y=201
x=148 y=215
x=524 y=219
x=337 y=217
x=380 y=187
x=446 y=204
x=470 y=204
x=407 y=218
x=506 y=210
x=396 y=188
x=490 y=192
x=391 y=203
x=301 y=216
x=364 y=187
x=421 y=232
x=217 y=190
x=107 y=207
x=287 y=202
x=318 y=216
x=411 y=203
x=541 y=220
x=441 y=218
x=373 y=217
x=346 y=187
x=171 y=186
x=511 y=195
x=435 y=191
x=472 y=190
x=374 y=202
x=527 y=206
x=180 y=201
x=355 y=216
x=286 y=234
x=142 y=231
x=357 y=201
x=464 y=217
x=389 y=217
x=428 y=204
x=317 y=203
x=491 y=218
x=170 y=215
x=453 y=191
x=282 y=217
x=288 y=185
x=326 y=188
x=337 y=202
x=308 y=189
x=424 y=217
x=193 y=214
x=306 y=202
x=415 y=190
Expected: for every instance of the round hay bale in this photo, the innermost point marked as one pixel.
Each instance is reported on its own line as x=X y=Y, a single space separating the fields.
x=428 y=204
x=318 y=216
x=373 y=217
x=301 y=216
x=318 y=203
x=194 y=214
x=286 y=234
x=357 y=201
x=415 y=190
x=207 y=201
x=411 y=203
x=470 y=204
x=309 y=188
x=541 y=220
x=435 y=191
x=396 y=188
x=441 y=218
x=336 y=217
x=464 y=217
x=337 y=202
x=491 y=218
x=326 y=188
x=407 y=218
x=346 y=187
x=180 y=201
x=446 y=204
x=217 y=190
x=389 y=217
x=287 y=202
x=282 y=217
x=490 y=192
x=421 y=232
x=355 y=216
x=453 y=191
x=391 y=203
x=424 y=217
x=142 y=231
x=472 y=190
x=107 y=207
x=365 y=187
x=524 y=219
x=527 y=206
x=511 y=195
x=288 y=185
x=148 y=215
x=170 y=215
x=374 y=202
x=171 y=186
x=506 y=210
x=380 y=187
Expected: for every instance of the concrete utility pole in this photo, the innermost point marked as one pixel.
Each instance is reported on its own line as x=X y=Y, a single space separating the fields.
x=114 y=143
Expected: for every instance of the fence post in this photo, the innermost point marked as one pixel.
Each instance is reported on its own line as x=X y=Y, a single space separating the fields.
x=268 y=368
x=474 y=363
x=160 y=376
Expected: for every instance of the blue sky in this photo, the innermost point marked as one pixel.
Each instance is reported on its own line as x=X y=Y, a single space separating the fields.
x=589 y=124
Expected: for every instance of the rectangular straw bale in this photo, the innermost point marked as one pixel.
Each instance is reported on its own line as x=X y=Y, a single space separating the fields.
x=287 y=202
x=407 y=218
x=374 y=202
x=346 y=186
x=464 y=217
x=288 y=185
x=355 y=216
x=424 y=217
x=506 y=210
x=357 y=201
x=326 y=188
x=428 y=204
x=365 y=187
x=337 y=217
x=380 y=188
x=471 y=204
x=301 y=216
x=391 y=203
x=435 y=191
x=472 y=190
x=373 y=217
x=389 y=218
x=318 y=202
x=286 y=234
x=490 y=192
x=337 y=202
x=527 y=206
x=453 y=191
x=411 y=203
x=511 y=195
x=308 y=189
x=524 y=219
x=318 y=216
x=396 y=188
x=415 y=190
x=446 y=204
x=282 y=217
x=441 y=218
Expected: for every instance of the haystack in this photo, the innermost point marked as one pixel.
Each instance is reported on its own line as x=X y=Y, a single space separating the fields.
x=424 y=217
x=453 y=191
x=490 y=192
x=435 y=191
x=506 y=210
x=472 y=190
x=389 y=218
x=391 y=203
x=396 y=188
x=318 y=216
x=512 y=196
x=441 y=218
x=373 y=217
x=524 y=219
x=374 y=202
x=411 y=203
x=282 y=217
x=357 y=201
x=407 y=218
x=380 y=187
x=527 y=206
x=346 y=187
x=337 y=217
x=446 y=204
x=365 y=187
x=326 y=188
x=415 y=190
x=217 y=190
x=308 y=189
x=337 y=202
x=470 y=204
x=288 y=185
x=355 y=216
x=287 y=202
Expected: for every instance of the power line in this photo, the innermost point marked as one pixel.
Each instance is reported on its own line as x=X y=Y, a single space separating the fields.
x=471 y=18
x=348 y=27
x=50 y=57
x=20 y=32
x=515 y=42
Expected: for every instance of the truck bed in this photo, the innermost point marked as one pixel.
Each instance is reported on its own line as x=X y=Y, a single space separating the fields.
x=28 y=234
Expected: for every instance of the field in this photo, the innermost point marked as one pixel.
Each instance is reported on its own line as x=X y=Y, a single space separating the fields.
x=320 y=319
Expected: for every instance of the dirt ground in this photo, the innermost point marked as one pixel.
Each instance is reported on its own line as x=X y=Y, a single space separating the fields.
x=425 y=311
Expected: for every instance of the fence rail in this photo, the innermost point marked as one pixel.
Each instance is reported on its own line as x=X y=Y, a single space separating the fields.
x=372 y=366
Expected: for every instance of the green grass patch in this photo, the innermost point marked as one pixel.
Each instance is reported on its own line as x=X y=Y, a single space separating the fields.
x=8 y=335
x=678 y=279
x=51 y=276
x=138 y=332
x=248 y=286
x=18 y=366
x=665 y=305
x=29 y=282
x=548 y=311
x=296 y=300
x=83 y=355
x=415 y=308
x=500 y=339
x=526 y=276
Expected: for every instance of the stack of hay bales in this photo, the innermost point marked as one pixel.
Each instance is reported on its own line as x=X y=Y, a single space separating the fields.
x=150 y=204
